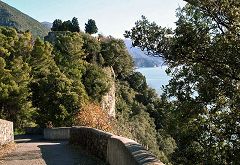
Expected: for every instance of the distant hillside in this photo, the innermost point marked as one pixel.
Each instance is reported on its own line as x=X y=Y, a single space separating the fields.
x=12 y=17
x=140 y=58
x=47 y=24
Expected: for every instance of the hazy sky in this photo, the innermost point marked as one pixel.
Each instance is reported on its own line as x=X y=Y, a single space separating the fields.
x=112 y=17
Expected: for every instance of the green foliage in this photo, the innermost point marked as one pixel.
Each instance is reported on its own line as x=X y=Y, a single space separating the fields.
x=75 y=25
x=150 y=37
x=116 y=55
x=72 y=26
x=67 y=48
x=202 y=53
x=52 y=82
x=92 y=49
x=31 y=78
x=12 y=17
x=66 y=91
x=14 y=80
x=140 y=119
x=56 y=100
x=66 y=26
x=96 y=82
x=90 y=27
x=57 y=23
x=41 y=59
x=137 y=81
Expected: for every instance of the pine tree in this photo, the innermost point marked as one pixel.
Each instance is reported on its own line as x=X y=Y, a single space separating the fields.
x=57 y=25
x=15 y=104
x=91 y=27
x=75 y=25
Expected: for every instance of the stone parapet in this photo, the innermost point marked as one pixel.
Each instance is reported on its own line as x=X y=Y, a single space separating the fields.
x=115 y=150
x=6 y=132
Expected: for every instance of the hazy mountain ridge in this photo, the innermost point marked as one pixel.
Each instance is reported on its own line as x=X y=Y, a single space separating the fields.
x=11 y=17
x=47 y=24
x=140 y=58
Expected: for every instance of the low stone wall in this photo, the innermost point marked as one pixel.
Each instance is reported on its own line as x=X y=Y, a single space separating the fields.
x=113 y=149
x=92 y=140
x=6 y=132
x=59 y=133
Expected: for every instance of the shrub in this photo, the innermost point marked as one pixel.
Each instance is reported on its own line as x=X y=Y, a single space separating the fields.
x=92 y=115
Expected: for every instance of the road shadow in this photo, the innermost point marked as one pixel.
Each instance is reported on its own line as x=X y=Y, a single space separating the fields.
x=54 y=152
x=62 y=153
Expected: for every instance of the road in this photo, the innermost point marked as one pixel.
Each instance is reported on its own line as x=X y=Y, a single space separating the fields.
x=33 y=150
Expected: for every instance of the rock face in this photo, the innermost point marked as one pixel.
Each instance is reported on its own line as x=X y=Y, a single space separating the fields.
x=109 y=100
x=6 y=132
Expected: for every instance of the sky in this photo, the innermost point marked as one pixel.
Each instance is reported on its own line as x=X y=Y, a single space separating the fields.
x=112 y=17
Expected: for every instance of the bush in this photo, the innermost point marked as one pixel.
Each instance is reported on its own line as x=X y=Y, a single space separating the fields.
x=92 y=115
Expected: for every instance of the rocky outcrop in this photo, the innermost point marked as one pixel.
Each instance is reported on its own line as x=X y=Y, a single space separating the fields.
x=109 y=100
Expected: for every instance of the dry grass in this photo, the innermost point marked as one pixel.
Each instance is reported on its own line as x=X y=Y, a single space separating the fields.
x=7 y=148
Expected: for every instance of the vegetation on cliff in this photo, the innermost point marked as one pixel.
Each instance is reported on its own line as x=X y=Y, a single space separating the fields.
x=61 y=82
x=203 y=56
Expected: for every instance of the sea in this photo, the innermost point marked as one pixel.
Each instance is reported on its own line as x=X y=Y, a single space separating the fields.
x=156 y=77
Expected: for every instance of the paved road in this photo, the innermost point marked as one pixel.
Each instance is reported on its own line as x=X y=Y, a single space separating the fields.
x=35 y=151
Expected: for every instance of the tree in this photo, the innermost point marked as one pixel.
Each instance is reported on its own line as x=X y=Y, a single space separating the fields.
x=92 y=49
x=202 y=53
x=72 y=26
x=67 y=48
x=116 y=55
x=56 y=96
x=57 y=25
x=41 y=60
x=137 y=81
x=136 y=120
x=67 y=26
x=15 y=78
x=75 y=25
x=90 y=27
x=96 y=82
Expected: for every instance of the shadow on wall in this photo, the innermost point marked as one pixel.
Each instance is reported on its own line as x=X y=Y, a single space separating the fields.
x=123 y=151
x=140 y=153
x=62 y=153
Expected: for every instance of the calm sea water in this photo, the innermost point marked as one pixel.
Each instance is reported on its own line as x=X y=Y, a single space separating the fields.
x=156 y=77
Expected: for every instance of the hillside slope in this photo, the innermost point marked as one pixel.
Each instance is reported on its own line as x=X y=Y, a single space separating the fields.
x=140 y=58
x=12 y=17
x=47 y=24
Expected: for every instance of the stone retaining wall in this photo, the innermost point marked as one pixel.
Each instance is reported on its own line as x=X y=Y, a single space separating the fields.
x=113 y=149
x=6 y=132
